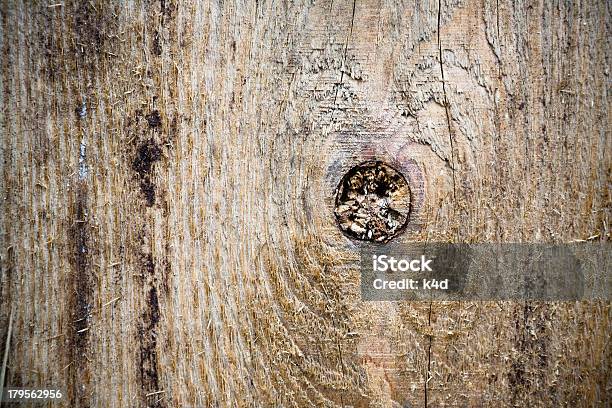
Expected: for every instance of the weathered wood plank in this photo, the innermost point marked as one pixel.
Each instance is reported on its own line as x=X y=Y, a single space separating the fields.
x=168 y=171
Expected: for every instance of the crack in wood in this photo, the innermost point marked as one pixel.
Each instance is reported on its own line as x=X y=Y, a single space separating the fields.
x=342 y=68
x=448 y=120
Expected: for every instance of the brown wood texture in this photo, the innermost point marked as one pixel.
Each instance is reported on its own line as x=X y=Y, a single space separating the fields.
x=167 y=178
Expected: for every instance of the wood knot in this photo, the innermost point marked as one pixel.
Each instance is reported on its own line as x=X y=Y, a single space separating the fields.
x=372 y=202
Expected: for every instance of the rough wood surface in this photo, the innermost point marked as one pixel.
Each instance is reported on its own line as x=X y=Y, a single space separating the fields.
x=167 y=177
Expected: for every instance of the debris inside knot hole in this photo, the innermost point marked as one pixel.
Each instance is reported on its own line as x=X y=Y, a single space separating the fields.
x=372 y=202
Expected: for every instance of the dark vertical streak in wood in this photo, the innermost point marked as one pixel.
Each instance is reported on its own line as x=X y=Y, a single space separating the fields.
x=81 y=299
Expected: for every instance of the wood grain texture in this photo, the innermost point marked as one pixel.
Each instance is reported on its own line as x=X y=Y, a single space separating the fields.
x=167 y=178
